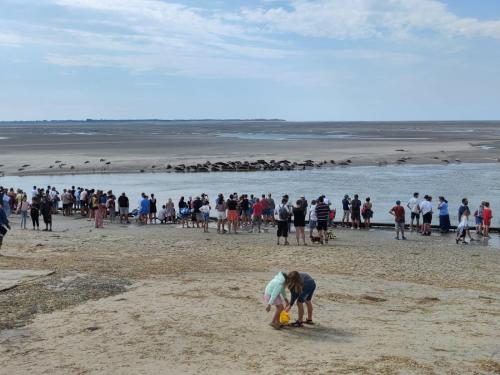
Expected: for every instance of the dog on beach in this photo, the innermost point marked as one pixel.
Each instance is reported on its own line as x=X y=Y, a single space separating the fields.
x=315 y=239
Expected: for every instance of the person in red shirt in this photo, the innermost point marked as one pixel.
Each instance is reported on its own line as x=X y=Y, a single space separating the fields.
x=398 y=212
x=258 y=209
x=487 y=215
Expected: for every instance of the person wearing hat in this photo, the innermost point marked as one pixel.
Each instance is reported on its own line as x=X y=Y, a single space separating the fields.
x=398 y=212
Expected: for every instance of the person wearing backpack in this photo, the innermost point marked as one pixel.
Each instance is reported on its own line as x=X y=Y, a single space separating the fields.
x=282 y=215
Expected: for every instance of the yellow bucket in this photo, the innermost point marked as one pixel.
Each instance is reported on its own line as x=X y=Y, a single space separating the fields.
x=284 y=317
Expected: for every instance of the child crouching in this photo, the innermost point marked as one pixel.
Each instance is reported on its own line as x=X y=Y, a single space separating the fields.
x=275 y=295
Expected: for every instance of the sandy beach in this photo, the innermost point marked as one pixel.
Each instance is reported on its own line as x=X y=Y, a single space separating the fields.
x=161 y=299
x=107 y=147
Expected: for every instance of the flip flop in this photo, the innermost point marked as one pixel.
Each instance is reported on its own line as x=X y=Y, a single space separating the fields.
x=309 y=321
x=296 y=324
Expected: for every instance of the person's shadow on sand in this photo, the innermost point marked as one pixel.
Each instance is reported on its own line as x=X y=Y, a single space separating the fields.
x=319 y=332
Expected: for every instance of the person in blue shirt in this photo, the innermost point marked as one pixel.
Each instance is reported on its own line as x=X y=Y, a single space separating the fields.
x=4 y=224
x=302 y=287
x=444 y=215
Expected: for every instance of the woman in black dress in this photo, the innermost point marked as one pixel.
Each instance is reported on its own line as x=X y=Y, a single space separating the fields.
x=152 y=209
x=299 y=221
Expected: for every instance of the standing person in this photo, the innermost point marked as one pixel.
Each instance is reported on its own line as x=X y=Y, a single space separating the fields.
x=272 y=208
x=478 y=216
x=275 y=295
x=205 y=213
x=346 y=203
x=232 y=213
x=46 y=211
x=184 y=212
x=103 y=200
x=302 y=287
x=426 y=209
x=487 y=216
x=197 y=215
x=299 y=221
x=35 y=212
x=4 y=224
x=414 y=207
x=245 y=210
x=398 y=212
x=322 y=211
x=463 y=227
x=282 y=213
x=144 y=209
x=152 y=209
x=23 y=209
x=220 y=207
x=444 y=215
x=313 y=219
x=257 y=212
x=123 y=208
x=84 y=202
x=464 y=207
x=265 y=209
x=98 y=214
x=170 y=214
x=367 y=212
x=111 y=206
x=356 y=212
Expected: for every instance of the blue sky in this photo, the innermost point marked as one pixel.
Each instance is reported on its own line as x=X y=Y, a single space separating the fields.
x=297 y=60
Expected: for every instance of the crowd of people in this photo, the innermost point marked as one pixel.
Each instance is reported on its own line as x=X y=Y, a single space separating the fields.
x=237 y=212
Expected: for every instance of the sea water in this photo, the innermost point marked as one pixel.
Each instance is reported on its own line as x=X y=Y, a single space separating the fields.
x=384 y=185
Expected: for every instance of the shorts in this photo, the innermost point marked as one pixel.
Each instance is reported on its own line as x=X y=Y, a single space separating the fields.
x=200 y=217
x=221 y=215
x=268 y=212
x=487 y=223
x=400 y=225
x=83 y=204
x=47 y=219
x=278 y=301
x=282 y=229
x=232 y=215
x=322 y=225
x=124 y=211
x=427 y=218
x=356 y=215
x=206 y=217
x=312 y=224
x=257 y=219
x=479 y=220
x=307 y=294
x=415 y=215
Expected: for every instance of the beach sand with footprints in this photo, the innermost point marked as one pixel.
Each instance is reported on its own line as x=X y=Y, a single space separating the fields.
x=161 y=299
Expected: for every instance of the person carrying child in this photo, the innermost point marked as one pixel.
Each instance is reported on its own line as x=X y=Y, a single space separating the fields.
x=275 y=295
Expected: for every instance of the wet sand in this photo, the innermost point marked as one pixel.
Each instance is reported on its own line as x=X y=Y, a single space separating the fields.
x=106 y=147
x=156 y=299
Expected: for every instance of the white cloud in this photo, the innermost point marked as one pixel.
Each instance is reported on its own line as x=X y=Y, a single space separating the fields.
x=9 y=39
x=361 y=19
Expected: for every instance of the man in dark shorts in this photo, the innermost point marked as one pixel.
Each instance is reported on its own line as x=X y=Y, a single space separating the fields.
x=283 y=214
x=123 y=208
x=414 y=207
x=322 y=212
x=356 y=212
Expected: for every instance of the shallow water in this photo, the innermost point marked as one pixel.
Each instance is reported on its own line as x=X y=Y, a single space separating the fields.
x=384 y=185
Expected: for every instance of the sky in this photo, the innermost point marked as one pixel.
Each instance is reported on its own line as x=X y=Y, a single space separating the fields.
x=299 y=60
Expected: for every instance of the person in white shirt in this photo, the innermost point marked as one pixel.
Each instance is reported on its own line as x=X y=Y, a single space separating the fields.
x=426 y=209
x=414 y=206
x=162 y=214
x=313 y=219
x=205 y=212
